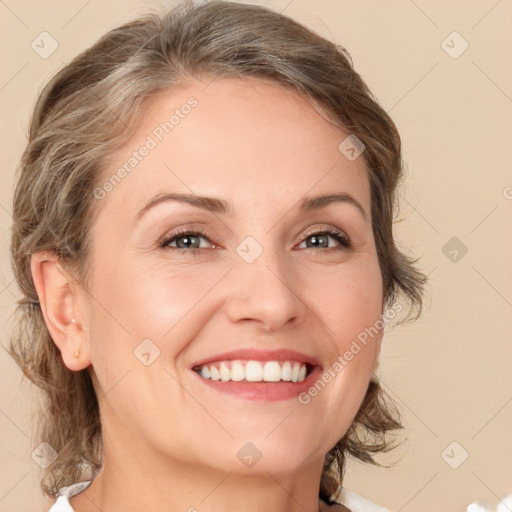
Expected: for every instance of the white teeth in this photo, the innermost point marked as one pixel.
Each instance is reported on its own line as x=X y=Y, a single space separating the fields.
x=286 y=371
x=237 y=371
x=255 y=371
x=272 y=371
x=214 y=373
x=295 y=372
x=225 y=374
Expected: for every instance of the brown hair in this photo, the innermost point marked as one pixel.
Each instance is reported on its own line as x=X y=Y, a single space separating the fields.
x=90 y=108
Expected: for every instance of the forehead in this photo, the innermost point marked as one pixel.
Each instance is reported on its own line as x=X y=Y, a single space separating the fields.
x=232 y=137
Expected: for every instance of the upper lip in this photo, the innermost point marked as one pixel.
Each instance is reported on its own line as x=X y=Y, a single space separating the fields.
x=254 y=354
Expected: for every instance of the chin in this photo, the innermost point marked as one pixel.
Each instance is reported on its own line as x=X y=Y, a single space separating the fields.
x=275 y=454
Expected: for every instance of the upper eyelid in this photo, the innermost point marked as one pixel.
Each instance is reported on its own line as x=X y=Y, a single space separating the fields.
x=313 y=231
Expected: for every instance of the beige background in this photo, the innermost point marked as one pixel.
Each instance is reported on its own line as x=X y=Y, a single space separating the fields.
x=450 y=371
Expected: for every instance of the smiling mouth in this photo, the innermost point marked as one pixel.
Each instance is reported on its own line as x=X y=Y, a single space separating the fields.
x=255 y=371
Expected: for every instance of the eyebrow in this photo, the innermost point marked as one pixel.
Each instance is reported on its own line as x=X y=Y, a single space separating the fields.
x=210 y=204
x=215 y=205
x=318 y=202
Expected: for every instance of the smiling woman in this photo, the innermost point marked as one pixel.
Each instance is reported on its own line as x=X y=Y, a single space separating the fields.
x=206 y=287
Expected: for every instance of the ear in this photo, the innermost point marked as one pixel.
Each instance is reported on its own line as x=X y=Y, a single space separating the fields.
x=60 y=298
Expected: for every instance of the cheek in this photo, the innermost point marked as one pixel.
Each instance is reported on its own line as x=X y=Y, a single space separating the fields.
x=150 y=298
x=161 y=303
x=347 y=298
x=163 y=296
x=348 y=301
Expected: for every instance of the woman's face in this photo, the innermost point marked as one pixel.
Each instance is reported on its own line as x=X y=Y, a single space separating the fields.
x=259 y=268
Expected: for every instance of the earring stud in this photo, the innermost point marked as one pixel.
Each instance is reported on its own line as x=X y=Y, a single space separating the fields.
x=77 y=351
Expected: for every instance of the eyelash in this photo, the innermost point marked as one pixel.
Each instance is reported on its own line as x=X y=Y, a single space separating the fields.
x=339 y=236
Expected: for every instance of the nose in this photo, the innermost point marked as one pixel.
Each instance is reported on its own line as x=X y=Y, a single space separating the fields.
x=266 y=293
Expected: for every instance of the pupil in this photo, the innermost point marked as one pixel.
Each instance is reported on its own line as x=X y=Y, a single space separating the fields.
x=188 y=241
x=319 y=241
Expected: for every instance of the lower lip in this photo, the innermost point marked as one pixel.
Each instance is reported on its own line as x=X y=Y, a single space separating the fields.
x=264 y=391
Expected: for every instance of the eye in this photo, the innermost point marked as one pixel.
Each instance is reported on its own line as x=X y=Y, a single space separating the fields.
x=322 y=239
x=186 y=240
x=192 y=241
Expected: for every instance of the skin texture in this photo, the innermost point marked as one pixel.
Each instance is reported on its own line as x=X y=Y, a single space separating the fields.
x=171 y=441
